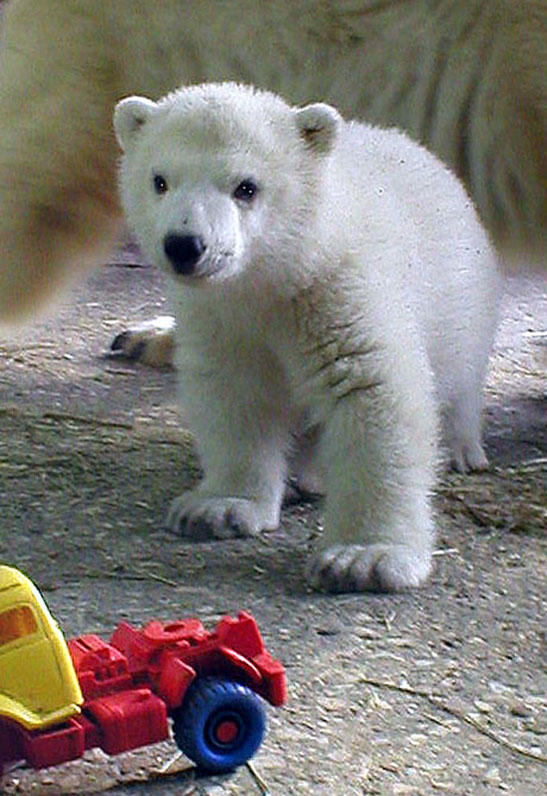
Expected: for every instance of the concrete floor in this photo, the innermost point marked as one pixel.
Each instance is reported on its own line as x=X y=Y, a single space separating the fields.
x=439 y=691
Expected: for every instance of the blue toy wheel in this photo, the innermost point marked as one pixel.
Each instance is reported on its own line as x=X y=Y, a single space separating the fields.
x=220 y=724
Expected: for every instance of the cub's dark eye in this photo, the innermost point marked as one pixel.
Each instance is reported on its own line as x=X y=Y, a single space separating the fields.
x=160 y=184
x=246 y=191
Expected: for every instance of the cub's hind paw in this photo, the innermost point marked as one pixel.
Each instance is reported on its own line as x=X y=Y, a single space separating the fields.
x=376 y=567
x=152 y=342
x=466 y=458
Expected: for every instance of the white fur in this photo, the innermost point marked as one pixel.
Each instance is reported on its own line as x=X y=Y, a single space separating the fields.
x=353 y=295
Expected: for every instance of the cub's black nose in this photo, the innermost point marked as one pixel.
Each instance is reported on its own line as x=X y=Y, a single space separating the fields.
x=183 y=251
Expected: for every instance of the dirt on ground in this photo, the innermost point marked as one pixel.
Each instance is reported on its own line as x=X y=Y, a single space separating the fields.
x=442 y=690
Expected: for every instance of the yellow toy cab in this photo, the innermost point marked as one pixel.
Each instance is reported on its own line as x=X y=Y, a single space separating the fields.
x=38 y=684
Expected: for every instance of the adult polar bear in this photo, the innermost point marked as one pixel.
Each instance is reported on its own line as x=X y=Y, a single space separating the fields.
x=466 y=77
x=373 y=290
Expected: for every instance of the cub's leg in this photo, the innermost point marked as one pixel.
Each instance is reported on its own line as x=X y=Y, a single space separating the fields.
x=237 y=413
x=462 y=430
x=378 y=453
x=461 y=366
x=305 y=467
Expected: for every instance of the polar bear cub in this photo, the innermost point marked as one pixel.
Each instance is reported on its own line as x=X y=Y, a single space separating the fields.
x=332 y=286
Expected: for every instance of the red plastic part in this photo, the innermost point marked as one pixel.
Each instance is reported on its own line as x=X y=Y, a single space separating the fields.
x=159 y=634
x=101 y=668
x=175 y=677
x=41 y=749
x=56 y=746
x=274 y=685
x=226 y=731
x=129 y=720
x=11 y=744
x=240 y=634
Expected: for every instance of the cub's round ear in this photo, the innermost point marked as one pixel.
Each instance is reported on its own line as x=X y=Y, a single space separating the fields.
x=318 y=126
x=130 y=115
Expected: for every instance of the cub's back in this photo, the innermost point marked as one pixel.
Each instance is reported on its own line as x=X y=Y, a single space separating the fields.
x=420 y=236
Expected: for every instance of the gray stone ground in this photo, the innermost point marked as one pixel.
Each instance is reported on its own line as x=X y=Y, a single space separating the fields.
x=438 y=691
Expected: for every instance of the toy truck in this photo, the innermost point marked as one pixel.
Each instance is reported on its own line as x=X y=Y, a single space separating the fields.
x=59 y=698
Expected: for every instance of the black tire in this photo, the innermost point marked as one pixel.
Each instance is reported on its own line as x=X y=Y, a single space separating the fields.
x=220 y=724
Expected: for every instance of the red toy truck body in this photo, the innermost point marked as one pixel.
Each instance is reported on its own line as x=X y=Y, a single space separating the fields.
x=206 y=682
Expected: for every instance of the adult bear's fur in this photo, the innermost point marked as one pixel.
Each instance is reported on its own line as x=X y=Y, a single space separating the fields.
x=466 y=77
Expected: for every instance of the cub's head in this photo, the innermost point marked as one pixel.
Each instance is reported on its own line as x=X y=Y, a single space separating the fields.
x=219 y=178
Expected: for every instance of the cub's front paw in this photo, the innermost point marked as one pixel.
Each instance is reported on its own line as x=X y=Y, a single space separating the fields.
x=375 y=567
x=201 y=518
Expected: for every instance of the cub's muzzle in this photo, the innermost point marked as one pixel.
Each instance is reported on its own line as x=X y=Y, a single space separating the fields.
x=183 y=252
